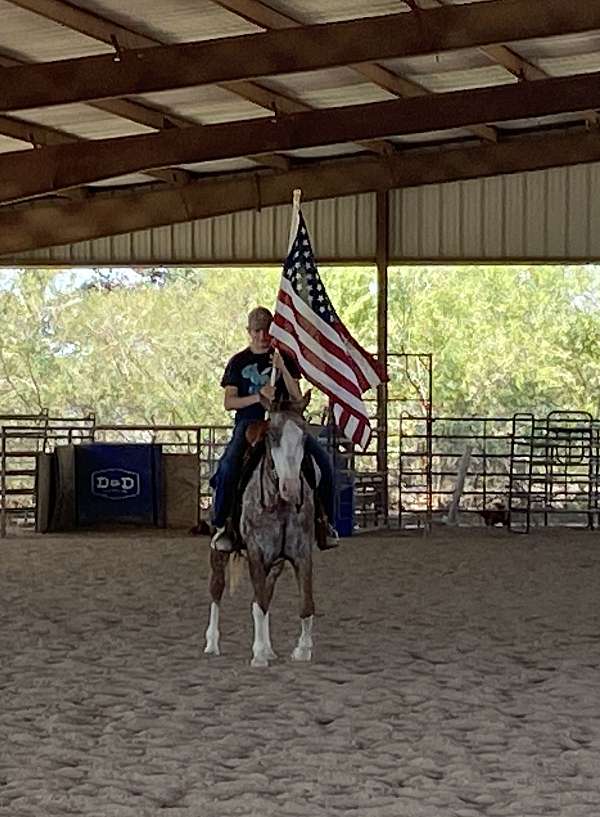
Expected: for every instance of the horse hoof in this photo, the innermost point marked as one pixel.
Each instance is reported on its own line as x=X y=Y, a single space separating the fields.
x=212 y=649
x=259 y=662
x=302 y=654
x=271 y=655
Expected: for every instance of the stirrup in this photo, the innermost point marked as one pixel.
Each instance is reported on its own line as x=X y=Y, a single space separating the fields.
x=331 y=539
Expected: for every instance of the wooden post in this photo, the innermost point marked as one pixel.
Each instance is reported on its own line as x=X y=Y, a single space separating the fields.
x=2 y=482
x=382 y=258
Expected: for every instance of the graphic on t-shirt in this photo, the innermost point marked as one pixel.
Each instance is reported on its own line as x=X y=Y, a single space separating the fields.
x=257 y=379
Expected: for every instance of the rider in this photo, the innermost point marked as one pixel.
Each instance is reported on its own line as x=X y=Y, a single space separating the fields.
x=248 y=392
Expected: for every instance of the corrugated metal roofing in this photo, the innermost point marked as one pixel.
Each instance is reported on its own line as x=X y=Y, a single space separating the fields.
x=173 y=22
x=549 y=214
x=84 y=121
x=315 y=11
x=31 y=37
x=340 y=228
x=27 y=36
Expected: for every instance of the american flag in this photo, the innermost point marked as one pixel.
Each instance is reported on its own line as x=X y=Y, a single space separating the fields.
x=307 y=326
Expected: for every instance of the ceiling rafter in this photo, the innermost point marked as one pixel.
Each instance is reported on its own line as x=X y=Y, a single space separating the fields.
x=40 y=225
x=112 y=33
x=517 y=65
x=259 y=13
x=43 y=135
x=312 y=47
x=28 y=174
x=96 y=27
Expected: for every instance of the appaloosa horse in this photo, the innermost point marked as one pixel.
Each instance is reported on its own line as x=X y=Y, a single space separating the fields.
x=277 y=524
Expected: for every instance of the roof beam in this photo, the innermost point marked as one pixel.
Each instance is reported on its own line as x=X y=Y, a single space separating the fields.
x=260 y=14
x=25 y=174
x=516 y=65
x=502 y=55
x=44 y=225
x=312 y=47
x=43 y=135
x=513 y=63
x=116 y=35
x=121 y=38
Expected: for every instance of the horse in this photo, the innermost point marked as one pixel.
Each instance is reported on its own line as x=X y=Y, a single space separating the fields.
x=277 y=525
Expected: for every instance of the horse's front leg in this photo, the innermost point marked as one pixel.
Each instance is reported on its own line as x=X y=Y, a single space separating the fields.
x=216 y=585
x=264 y=584
x=303 y=571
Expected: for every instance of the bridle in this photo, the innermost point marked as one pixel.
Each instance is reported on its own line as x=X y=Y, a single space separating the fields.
x=273 y=477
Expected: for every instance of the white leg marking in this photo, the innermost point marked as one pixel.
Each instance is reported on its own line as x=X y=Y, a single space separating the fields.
x=260 y=657
x=212 y=632
x=303 y=650
x=271 y=654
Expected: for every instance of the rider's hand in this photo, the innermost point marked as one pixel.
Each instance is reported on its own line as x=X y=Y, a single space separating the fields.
x=278 y=361
x=268 y=392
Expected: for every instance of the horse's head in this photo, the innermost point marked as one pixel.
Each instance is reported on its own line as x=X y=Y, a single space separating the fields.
x=286 y=436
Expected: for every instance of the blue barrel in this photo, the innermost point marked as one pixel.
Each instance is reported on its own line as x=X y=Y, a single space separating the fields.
x=344 y=504
x=118 y=484
x=343 y=481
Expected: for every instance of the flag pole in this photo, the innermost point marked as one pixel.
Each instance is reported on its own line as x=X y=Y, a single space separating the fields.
x=296 y=196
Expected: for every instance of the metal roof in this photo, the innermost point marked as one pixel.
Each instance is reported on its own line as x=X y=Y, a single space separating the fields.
x=29 y=35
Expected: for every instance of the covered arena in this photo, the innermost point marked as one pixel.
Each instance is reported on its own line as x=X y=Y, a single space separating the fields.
x=454 y=668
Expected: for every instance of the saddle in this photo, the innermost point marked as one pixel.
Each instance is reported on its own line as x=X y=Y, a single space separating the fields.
x=256 y=447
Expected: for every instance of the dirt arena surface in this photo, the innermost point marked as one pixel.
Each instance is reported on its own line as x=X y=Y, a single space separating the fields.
x=455 y=675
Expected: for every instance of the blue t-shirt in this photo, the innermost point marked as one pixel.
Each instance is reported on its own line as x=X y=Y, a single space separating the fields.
x=249 y=372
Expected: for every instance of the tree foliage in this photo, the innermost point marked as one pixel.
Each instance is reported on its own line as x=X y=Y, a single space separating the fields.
x=141 y=345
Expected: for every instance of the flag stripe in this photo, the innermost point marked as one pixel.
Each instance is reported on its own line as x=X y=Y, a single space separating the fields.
x=315 y=372
x=373 y=371
x=322 y=327
x=307 y=326
x=338 y=336
x=319 y=345
x=320 y=367
x=339 y=404
x=362 y=435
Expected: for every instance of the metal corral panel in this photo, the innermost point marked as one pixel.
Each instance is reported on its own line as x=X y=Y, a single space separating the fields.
x=543 y=215
x=341 y=229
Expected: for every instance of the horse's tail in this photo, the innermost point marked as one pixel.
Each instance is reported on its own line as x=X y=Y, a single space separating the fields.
x=236 y=571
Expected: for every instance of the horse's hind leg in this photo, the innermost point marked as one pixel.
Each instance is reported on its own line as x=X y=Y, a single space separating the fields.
x=216 y=585
x=303 y=571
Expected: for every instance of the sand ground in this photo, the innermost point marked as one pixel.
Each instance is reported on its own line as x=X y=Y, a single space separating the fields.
x=453 y=675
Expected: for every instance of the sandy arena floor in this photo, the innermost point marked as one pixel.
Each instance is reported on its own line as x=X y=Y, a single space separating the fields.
x=454 y=676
